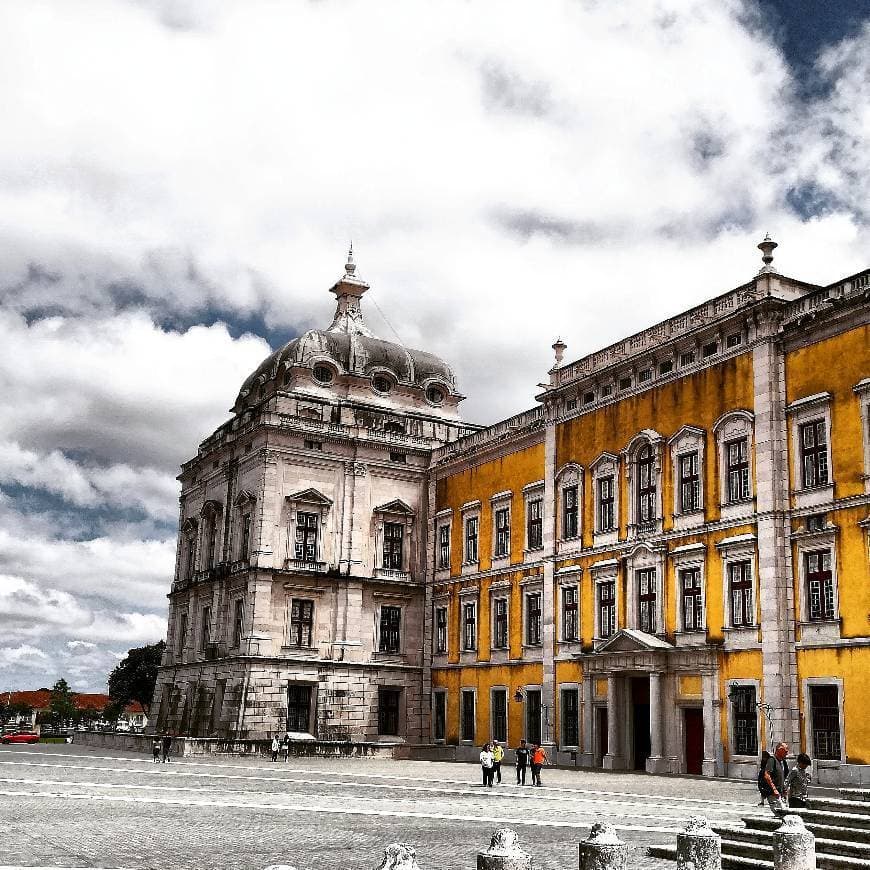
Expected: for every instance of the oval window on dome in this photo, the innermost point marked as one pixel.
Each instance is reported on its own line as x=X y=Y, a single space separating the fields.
x=323 y=374
x=435 y=395
x=382 y=384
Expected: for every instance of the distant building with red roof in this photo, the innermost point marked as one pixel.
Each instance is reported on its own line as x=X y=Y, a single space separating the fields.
x=39 y=701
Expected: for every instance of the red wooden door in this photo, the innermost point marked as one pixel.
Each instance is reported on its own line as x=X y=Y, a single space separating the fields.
x=693 y=729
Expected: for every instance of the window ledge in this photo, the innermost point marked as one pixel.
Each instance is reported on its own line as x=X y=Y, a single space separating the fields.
x=813 y=496
x=818 y=632
x=741 y=637
x=689 y=520
x=691 y=638
x=501 y=561
x=602 y=539
x=732 y=510
x=389 y=657
x=470 y=568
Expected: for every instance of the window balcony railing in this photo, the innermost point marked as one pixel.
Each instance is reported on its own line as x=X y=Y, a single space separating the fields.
x=392 y=574
x=306 y=565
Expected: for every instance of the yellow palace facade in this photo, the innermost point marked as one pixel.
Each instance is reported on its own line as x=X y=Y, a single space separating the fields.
x=663 y=566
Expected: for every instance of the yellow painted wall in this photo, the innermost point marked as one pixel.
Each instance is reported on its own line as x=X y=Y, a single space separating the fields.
x=739 y=665
x=835 y=365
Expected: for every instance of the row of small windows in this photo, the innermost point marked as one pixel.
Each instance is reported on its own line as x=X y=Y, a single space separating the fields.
x=818 y=582
x=381 y=384
x=685 y=358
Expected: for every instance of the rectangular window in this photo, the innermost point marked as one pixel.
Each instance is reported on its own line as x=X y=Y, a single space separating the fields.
x=692 y=599
x=690 y=483
x=313 y=445
x=625 y=383
x=440 y=716
x=245 y=545
x=710 y=349
x=205 y=629
x=388 y=711
x=569 y=613
x=444 y=547
x=298 y=707
x=734 y=340
x=606 y=517
x=211 y=552
x=500 y=623
x=533 y=619
x=502 y=531
x=467 y=715
x=536 y=523
x=471 y=539
x=646 y=486
x=191 y=558
x=745 y=720
x=740 y=590
x=499 y=715
x=398 y=457
x=301 y=622
x=182 y=632
x=588 y=398
x=571 y=405
x=306 y=538
x=820 y=585
x=391 y=620
x=469 y=626
x=441 y=630
x=645 y=375
x=393 y=534
x=737 y=469
x=607 y=608
x=570 y=717
x=814 y=454
x=687 y=358
x=646 y=589
x=666 y=367
x=825 y=711
x=238 y=622
x=570 y=511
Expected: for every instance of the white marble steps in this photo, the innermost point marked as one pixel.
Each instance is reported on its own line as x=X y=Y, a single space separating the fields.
x=823 y=845
x=856 y=794
x=841 y=829
x=730 y=862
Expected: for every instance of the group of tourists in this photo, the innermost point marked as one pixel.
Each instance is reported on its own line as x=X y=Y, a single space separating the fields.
x=780 y=786
x=160 y=747
x=282 y=745
x=492 y=755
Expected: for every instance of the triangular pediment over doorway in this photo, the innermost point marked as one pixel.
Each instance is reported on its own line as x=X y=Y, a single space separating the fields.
x=396 y=506
x=633 y=640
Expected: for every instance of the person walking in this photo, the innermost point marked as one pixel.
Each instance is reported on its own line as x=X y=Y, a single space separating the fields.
x=497 y=758
x=522 y=756
x=285 y=746
x=539 y=759
x=775 y=775
x=155 y=750
x=486 y=763
x=167 y=745
x=764 y=790
x=275 y=747
x=797 y=783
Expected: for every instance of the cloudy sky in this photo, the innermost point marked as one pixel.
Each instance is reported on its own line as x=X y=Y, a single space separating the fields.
x=179 y=182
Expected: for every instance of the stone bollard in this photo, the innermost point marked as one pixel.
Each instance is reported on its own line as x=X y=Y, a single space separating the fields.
x=698 y=847
x=504 y=853
x=794 y=847
x=399 y=856
x=602 y=849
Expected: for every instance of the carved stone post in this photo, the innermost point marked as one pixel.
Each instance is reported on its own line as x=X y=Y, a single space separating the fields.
x=698 y=847
x=504 y=853
x=399 y=856
x=794 y=847
x=602 y=849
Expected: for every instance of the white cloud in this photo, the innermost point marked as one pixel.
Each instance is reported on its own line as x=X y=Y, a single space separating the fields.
x=22 y=657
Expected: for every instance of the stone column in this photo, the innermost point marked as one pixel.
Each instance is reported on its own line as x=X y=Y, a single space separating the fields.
x=656 y=763
x=613 y=760
x=709 y=766
x=602 y=849
x=794 y=847
x=698 y=848
x=504 y=853
x=587 y=757
x=399 y=856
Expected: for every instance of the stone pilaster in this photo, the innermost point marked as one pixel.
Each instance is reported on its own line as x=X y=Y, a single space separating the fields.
x=614 y=760
x=775 y=581
x=656 y=763
x=548 y=602
x=587 y=757
x=427 y=572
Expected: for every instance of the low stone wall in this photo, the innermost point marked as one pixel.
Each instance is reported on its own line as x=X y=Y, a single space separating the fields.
x=188 y=747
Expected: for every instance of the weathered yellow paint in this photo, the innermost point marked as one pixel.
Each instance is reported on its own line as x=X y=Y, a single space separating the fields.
x=601 y=688
x=835 y=365
x=690 y=685
x=742 y=665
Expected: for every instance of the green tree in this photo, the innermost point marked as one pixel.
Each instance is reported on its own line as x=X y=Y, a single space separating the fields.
x=61 y=706
x=134 y=677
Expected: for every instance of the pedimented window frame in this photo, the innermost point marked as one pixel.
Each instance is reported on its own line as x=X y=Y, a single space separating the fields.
x=606 y=465
x=687 y=440
x=736 y=424
x=630 y=456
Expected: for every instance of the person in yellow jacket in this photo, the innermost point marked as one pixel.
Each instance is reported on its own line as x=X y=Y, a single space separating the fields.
x=497 y=756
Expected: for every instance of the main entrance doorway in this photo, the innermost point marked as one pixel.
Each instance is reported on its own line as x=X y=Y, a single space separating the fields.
x=693 y=729
x=640 y=721
x=601 y=728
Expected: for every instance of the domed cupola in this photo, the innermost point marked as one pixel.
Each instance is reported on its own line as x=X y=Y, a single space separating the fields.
x=349 y=360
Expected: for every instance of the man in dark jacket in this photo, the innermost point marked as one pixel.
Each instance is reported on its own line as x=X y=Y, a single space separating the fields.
x=775 y=774
x=522 y=754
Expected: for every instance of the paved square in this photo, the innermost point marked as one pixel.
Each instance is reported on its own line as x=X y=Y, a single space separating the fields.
x=76 y=806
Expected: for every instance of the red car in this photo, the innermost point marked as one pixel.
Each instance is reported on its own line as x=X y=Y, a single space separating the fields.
x=22 y=737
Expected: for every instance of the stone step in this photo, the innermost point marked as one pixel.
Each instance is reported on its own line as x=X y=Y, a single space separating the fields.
x=841 y=805
x=744 y=855
x=734 y=862
x=815 y=817
x=856 y=794
x=832 y=847
x=827 y=832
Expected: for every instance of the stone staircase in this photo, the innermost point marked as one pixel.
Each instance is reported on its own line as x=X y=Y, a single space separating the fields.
x=841 y=827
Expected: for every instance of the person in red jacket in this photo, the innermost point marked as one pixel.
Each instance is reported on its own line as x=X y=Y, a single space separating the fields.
x=539 y=759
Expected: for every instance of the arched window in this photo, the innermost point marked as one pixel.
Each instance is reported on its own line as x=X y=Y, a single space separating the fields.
x=646 y=486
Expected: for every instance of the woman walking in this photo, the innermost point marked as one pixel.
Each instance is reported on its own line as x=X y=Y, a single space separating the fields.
x=486 y=765
x=539 y=759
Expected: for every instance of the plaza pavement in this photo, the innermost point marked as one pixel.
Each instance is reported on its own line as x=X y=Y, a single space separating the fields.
x=77 y=806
